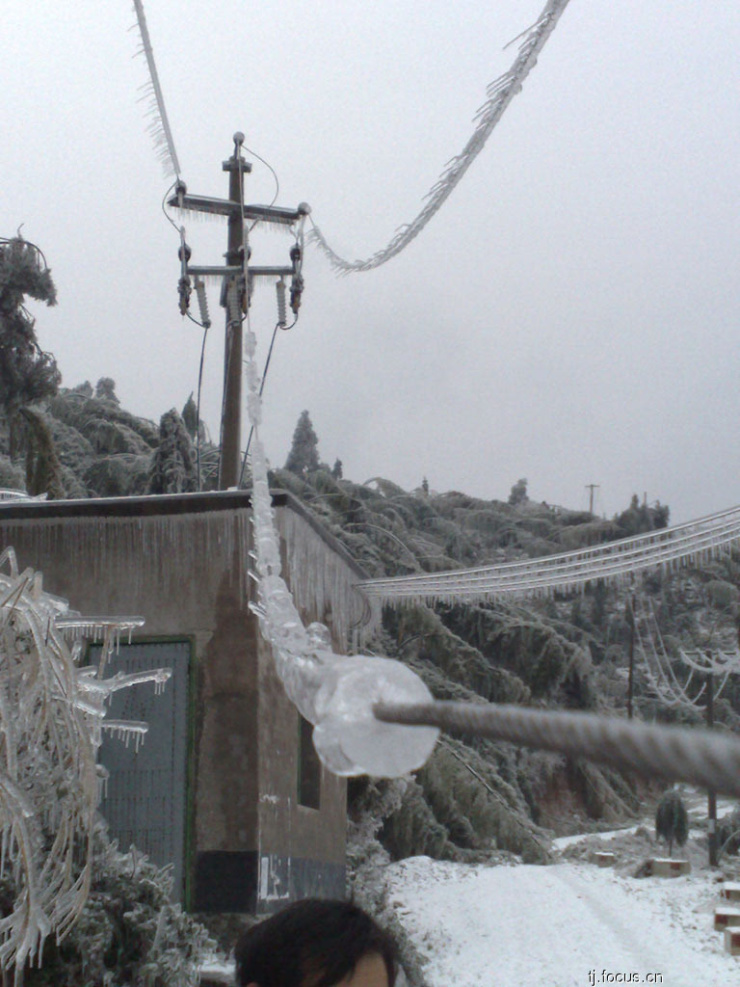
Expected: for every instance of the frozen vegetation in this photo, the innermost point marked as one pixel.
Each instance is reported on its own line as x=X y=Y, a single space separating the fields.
x=477 y=803
x=570 y=651
x=72 y=909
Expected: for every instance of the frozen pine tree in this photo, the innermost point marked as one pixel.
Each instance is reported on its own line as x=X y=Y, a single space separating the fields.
x=129 y=931
x=43 y=469
x=85 y=389
x=304 y=452
x=190 y=417
x=27 y=374
x=105 y=390
x=518 y=493
x=173 y=468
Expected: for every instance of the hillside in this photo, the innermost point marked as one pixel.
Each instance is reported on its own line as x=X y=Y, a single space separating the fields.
x=473 y=799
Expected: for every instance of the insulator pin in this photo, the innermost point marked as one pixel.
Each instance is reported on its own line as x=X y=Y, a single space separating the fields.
x=200 y=291
x=281 y=303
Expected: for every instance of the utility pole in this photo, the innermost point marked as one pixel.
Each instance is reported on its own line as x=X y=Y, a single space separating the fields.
x=234 y=298
x=236 y=288
x=631 y=675
x=591 y=487
x=711 y=795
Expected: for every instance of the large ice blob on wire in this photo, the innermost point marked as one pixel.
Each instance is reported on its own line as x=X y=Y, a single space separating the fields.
x=348 y=737
x=336 y=694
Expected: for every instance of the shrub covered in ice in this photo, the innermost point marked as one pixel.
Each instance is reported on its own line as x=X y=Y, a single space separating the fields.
x=52 y=715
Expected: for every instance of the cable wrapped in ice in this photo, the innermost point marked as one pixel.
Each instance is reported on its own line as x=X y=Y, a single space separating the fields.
x=499 y=95
x=697 y=541
x=333 y=692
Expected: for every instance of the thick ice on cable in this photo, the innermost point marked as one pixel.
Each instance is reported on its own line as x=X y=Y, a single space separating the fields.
x=335 y=693
x=348 y=737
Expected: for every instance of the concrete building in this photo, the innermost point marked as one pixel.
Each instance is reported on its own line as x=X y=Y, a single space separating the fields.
x=227 y=786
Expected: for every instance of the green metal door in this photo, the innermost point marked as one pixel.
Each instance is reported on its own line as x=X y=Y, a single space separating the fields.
x=145 y=798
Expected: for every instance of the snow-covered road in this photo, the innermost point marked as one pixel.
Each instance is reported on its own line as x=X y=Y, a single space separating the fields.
x=570 y=924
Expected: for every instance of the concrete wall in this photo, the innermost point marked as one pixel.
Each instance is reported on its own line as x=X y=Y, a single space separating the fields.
x=292 y=837
x=181 y=562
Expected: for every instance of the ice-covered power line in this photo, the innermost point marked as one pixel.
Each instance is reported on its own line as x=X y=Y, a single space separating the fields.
x=656 y=661
x=159 y=128
x=335 y=693
x=375 y=716
x=696 y=540
x=499 y=94
x=665 y=683
x=696 y=756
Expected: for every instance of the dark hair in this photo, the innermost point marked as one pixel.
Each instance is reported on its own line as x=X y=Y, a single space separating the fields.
x=323 y=939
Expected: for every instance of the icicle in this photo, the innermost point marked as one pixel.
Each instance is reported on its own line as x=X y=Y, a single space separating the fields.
x=102 y=541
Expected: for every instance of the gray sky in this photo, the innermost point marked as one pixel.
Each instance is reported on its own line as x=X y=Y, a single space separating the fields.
x=569 y=316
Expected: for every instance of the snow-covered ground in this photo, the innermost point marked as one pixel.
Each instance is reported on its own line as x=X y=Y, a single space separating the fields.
x=569 y=923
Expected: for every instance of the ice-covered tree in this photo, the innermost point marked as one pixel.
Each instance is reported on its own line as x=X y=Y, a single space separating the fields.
x=27 y=374
x=173 y=468
x=43 y=469
x=190 y=417
x=85 y=389
x=105 y=390
x=304 y=452
x=52 y=714
x=640 y=518
x=518 y=493
x=672 y=820
x=129 y=931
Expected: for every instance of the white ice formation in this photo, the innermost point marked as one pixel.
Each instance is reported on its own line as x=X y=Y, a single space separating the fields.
x=52 y=713
x=335 y=693
x=499 y=95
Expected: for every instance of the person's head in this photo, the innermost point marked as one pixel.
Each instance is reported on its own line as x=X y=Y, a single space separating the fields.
x=316 y=943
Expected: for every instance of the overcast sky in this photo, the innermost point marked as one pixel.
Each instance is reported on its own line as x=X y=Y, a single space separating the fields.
x=570 y=316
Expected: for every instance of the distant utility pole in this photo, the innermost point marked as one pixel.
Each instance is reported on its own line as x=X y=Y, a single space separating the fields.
x=711 y=795
x=631 y=673
x=591 y=487
x=236 y=289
